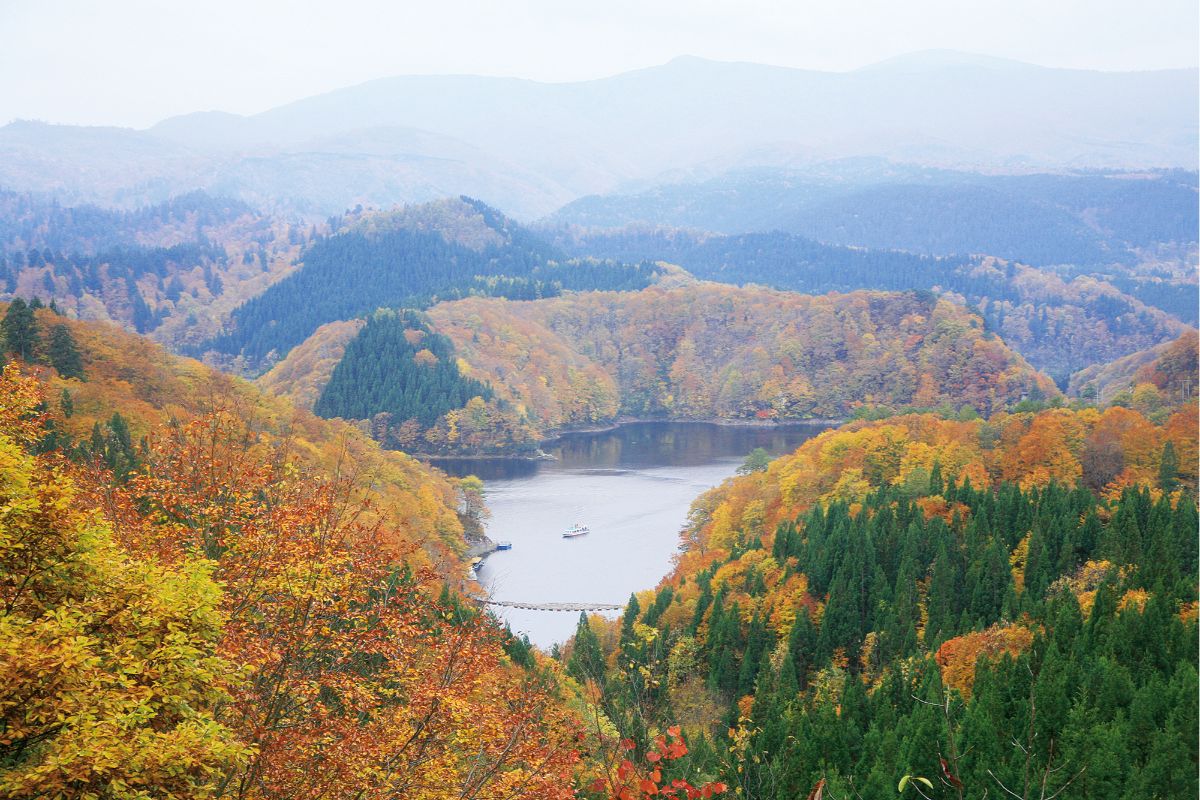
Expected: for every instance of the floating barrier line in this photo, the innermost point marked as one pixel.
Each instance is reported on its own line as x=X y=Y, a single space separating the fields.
x=549 y=606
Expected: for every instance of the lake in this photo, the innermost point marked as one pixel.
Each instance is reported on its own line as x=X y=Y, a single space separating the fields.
x=632 y=486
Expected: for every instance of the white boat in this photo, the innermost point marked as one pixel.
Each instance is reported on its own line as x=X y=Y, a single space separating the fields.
x=576 y=530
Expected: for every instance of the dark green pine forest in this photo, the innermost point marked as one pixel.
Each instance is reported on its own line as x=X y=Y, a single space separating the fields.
x=1099 y=703
x=350 y=274
x=397 y=366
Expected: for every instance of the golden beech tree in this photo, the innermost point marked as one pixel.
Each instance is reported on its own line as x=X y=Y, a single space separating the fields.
x=357 y=684
x=223 y=625
x=111 y=672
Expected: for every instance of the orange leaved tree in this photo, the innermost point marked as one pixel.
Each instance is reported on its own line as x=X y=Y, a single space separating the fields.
x=111 y=677
x=355 y=684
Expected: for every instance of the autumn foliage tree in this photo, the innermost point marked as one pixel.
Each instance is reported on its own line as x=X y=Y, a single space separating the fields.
x=112 y=677
x=358 y=685
x=985 y=605
x=223 y=624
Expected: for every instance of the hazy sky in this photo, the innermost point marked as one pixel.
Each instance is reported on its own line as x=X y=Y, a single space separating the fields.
x=134 y=62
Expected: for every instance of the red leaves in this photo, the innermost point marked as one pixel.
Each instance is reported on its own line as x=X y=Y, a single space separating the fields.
x=353 y=665
x=630 y=781
x=950 y=776
x=818 y=791
x=957 y=657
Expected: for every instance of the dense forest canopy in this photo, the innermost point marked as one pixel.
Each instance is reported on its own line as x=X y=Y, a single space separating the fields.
x=1009 y=603
x=172 y=270
x=691 y=351
x=403 y=261
x=397 y=366
x=705 y=351
x=1060 y=325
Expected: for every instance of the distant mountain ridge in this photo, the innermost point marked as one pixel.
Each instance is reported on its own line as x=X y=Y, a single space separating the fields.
x=530 y=146
x=1082 y=218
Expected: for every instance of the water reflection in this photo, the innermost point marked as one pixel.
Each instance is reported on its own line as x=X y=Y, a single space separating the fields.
x=640 y=444
x=632 y=486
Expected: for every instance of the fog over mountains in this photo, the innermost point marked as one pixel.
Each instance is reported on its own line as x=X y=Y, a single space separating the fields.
x=530 y=147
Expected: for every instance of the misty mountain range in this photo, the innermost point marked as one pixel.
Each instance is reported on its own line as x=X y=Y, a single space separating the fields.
x=532 y=147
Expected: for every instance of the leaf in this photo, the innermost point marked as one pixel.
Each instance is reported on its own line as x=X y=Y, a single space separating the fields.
x=950 y=776
x=818 y=791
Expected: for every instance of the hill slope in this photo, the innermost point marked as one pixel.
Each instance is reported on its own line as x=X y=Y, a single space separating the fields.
x=149 y=388
x=1061 y=324
x=411 y=257
x=203 y=587
x=173 y=270
x=1170 y=368
x=915 y=595
x=698 y=351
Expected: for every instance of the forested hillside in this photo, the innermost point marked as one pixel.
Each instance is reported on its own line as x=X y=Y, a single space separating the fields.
x=412 y=258
x=1151 y=380
x=110 y=390
x=33 y=222
x=985 y=607
x=1060 y=324
x=702 y=351
x=171 y=270
x=301 y=377
x=209 y=593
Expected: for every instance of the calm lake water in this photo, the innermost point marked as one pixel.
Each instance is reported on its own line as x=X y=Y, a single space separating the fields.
x=632 y=486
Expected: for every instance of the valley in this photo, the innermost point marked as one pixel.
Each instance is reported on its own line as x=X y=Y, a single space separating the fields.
x=706 y=429
x=631 y=486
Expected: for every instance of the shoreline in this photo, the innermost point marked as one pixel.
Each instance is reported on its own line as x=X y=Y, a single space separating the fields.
x=737 y=422
x=584 y=430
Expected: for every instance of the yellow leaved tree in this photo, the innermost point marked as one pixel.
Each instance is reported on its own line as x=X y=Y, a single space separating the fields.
x=109 y=664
